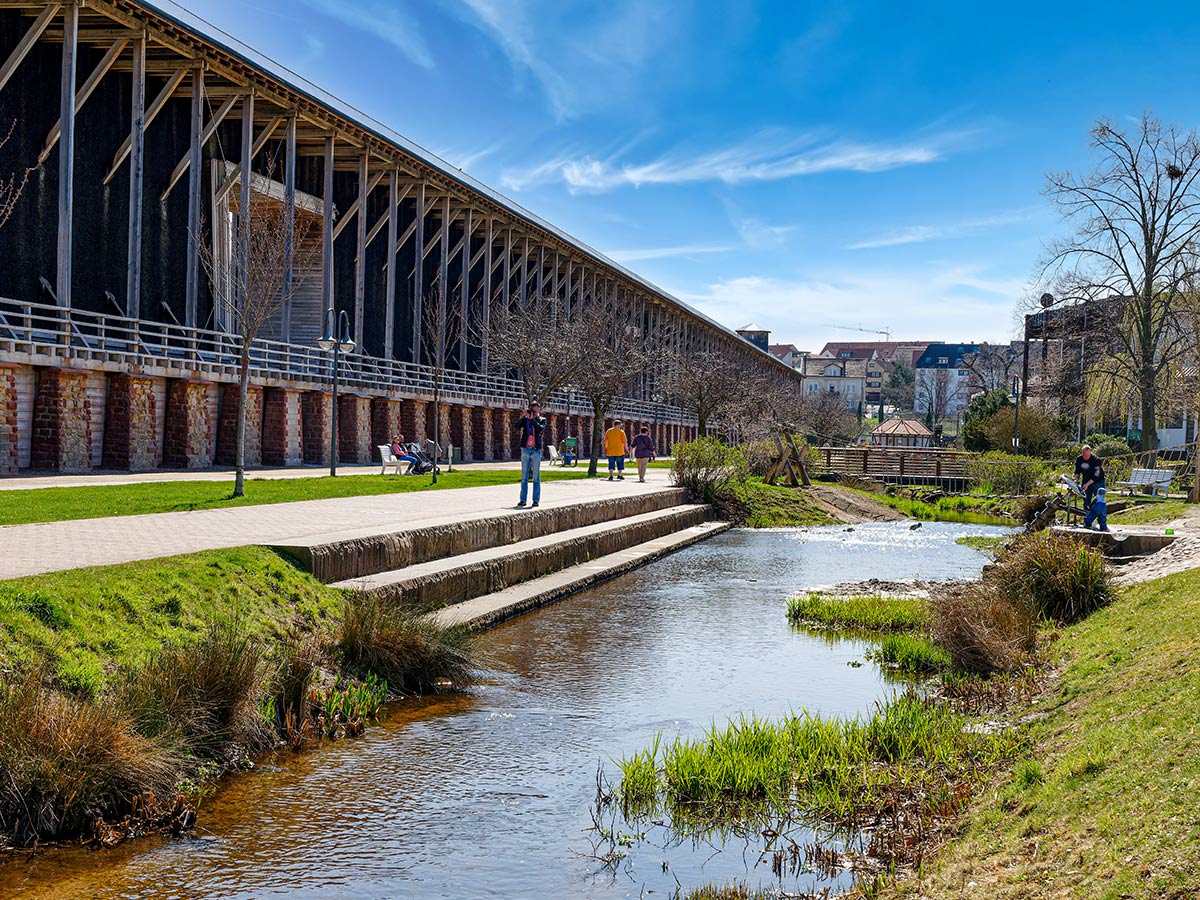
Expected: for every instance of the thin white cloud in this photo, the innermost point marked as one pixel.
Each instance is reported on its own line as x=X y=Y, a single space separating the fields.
x=758 y=235
x=947 y=302
x=644 y=253
x=467 y=159
x=384 y=19
x=917 y=234
x=767 y=157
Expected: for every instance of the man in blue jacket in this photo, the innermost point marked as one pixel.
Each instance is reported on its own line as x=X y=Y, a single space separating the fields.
x=529 y=434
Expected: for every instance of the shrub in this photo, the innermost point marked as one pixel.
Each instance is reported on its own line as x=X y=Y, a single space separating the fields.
x=1065 y=579
x=982 y=630
x=66 y=761
x=1040 y=430
x=1007 y=473
x=704 y=466
x=411 y=653
x=203 y=698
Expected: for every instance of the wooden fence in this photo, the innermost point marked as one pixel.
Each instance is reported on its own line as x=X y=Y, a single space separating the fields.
x=898 y=465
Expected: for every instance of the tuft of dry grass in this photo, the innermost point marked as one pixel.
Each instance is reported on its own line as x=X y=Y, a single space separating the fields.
x=408 y=651
x=203 y=698
x=66 y=761
x=1065 y=578
x=983 y=630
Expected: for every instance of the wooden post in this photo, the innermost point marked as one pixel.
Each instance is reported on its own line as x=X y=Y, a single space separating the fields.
x=247 y=178
x=466 y=292
x=327 y=240
x=360 y=255
x=486 y=309
x=443 y=255
x=389 y=314
x=418 y=275
x=289 y=224
x=193 y=246
x=66 y=152
x=137 y=143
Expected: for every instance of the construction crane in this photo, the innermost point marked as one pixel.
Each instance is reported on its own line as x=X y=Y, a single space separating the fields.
x=886 y=332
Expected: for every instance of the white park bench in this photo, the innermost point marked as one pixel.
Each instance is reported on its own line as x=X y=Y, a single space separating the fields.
x=1153 y=479
x=389 y=459
x=555 y=456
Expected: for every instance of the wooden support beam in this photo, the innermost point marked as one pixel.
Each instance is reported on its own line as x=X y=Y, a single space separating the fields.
x=185 y=164
x=151 y=113
x=393 y=216
x=259 y=143
x=418 y=274
x=444 y=262
x=66 y=159
x=81 y=96
x=359 y=202
x=289 y=224
x=485 y=312
x=25 y=44
x=383 y=220
x=191 y=298
x=466 y=292
x=327 y=236
x=137 y=143
x=245 y=213
x=360 y=254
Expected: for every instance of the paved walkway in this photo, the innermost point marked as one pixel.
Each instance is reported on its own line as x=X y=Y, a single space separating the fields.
x=52 y=546
x=25 y=482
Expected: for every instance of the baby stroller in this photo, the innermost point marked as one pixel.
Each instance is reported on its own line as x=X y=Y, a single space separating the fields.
x=426 y=456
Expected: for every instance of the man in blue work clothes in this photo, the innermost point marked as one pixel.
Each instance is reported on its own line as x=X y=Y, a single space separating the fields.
x=1089 y=474
x=529 y=432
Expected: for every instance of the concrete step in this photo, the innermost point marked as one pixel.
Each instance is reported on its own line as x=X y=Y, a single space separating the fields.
x=355 y=554
x=491 y=609
x=453 y=579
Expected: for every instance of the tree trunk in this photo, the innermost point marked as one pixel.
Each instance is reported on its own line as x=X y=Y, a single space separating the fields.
x=437 y=428
x=1194 y=494
x=239 y=450
x=1149 y=418
x=597 y=436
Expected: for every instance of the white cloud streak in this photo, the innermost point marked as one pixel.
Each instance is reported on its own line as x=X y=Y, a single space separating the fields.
x=385 y=20
x=918 y=234
x=764 y=158
x=644 y=253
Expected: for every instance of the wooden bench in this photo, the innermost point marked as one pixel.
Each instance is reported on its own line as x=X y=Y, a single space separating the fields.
x=389 y=459
x=1149 y=478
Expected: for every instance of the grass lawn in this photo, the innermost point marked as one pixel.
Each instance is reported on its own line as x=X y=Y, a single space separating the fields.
x=84 y=624
x=753 y=504
x=1151 y=514
x=1105 y=805
x=91 y=502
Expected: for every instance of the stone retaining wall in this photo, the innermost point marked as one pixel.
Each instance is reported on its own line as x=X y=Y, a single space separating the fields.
x=339 y=560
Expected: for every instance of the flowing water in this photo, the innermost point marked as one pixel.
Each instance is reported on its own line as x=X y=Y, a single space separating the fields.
x=487 y=794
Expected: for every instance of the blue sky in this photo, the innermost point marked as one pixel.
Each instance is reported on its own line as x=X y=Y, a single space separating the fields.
x=802 y=165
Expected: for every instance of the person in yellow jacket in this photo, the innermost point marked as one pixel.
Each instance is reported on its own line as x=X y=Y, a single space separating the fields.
x=616 y=447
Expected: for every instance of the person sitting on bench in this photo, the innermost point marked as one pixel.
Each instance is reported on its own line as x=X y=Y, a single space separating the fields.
x=401 y=453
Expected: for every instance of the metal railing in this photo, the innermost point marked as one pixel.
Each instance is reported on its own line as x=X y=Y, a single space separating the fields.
x=73 y=337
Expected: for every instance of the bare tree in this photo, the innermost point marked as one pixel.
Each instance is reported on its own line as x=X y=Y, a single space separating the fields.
x=936 y=391
x=13 y=186
x=537 y=341
x=617 y=353
x=442 y=328
x=250 y=285
x=705 y=382
x=824 y=415
x=1136 y=223
x=993 y=365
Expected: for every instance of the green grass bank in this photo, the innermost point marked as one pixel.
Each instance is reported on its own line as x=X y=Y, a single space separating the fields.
x=21 y=507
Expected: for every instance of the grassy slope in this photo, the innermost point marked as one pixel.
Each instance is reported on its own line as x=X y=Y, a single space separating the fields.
x=756 y=505
x=1151 y=514
x=1105 y=807
x=57 y=504
x=980 y=510
x=86 y=623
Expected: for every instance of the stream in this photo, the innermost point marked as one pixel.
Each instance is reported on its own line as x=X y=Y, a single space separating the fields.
x=487 y=794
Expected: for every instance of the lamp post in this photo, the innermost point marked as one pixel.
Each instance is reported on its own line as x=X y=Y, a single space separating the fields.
x=338 y=345
x=1016 y=415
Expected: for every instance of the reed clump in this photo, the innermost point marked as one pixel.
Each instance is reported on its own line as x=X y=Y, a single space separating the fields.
x=911 y=653
x=1065 y=578
x=67 y=761
x=410 y=652
x=984 y=630
x=906 y=767
x=868 y=613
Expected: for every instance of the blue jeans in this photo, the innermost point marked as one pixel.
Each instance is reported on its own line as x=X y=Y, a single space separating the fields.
x=1089 y=493
x=531 y=467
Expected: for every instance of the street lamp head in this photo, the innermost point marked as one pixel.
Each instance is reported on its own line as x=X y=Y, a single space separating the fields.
x=346 y=342
x=327 y=340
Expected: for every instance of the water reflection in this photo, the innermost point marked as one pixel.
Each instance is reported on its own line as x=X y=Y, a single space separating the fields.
x=487 y=795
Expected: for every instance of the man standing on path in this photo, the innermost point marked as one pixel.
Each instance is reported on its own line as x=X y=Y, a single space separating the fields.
x=616 y=447
x=1089 y=473
x=529 y=432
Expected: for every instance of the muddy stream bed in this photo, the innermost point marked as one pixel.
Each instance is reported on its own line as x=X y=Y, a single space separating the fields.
x=487 y=794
